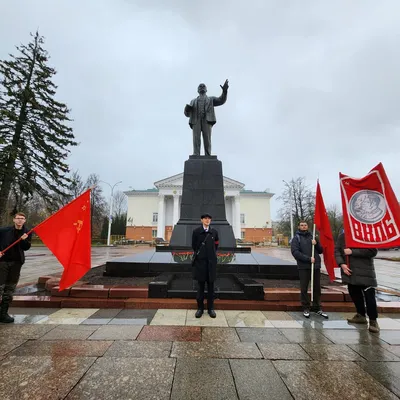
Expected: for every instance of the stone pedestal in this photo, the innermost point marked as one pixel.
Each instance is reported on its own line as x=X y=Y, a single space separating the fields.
x=202 y=192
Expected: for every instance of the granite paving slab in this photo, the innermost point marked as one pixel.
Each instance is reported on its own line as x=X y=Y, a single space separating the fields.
x=258 y=380
x=206 y=320
x=261 y=335
x=390 y=337
x=126 y=378
x=207 y=379
x=116 y=332
x=24 y=331
x=335 y=380
x=278 y=316
x=395 y=349
x=32 y=310
x=8 y=344
x=169 y=317
x=331 y=352
x=247 y=319
x=48 y=377
x=214 y=350
x=374 y=352
x=68 y=316
x=170 y=333
x=219 y=335
x=304 y=335
x=140 y=349
x=70 y=332
x=27 y=319
x=64 y=348
x=283 y=351
x=387 y=373
x=389 y=324
x=342 y=336
x=101 y=317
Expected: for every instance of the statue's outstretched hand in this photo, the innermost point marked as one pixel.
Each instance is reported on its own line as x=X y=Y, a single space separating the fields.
x=226 y=85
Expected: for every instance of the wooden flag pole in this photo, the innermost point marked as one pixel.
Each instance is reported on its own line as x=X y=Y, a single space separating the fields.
x=312 y=267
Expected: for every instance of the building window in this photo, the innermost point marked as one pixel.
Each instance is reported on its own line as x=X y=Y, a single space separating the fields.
x=155 y=217
x=242 y=234
x=242 y=219
x=154 y=233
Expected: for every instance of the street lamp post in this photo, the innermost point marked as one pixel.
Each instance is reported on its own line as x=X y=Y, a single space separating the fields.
x=111 y=210
x=291 y=209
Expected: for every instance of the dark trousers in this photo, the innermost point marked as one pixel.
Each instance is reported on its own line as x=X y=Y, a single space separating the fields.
x=305 y=278
x=210 y=295
x=202 y=126
x=364 y=300
x=9 y=276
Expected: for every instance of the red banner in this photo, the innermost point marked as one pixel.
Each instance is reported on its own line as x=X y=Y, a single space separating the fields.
x=371 y=212
x=67 y=235
x=323 y=225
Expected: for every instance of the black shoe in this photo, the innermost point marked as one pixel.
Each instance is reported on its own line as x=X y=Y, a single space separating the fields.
x=4 y=317
x=211 y=313
x=199 y=313
x=306 y=313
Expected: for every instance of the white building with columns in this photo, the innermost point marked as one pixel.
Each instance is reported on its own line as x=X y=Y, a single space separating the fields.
x=154 y=212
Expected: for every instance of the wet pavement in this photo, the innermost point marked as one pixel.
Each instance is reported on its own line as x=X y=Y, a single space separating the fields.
x=169 y=354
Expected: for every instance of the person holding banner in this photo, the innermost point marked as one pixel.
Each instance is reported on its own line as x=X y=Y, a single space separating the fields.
x=302 y=250
x=358 y=272
x=11 y=261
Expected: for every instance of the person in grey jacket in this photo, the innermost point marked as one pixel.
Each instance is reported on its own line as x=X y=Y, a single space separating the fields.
x=301 y=248
x=358 y=271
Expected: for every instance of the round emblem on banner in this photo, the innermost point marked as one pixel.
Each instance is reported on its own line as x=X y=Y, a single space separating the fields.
x=367 y=206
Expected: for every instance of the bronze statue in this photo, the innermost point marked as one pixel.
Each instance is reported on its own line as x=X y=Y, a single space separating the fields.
x=202 y=116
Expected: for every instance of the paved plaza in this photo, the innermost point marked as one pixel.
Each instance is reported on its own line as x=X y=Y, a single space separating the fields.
x=169 y=354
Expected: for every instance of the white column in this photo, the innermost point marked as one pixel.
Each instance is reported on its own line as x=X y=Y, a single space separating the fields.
x=161 y=216
x=237 y=217
x=175 y=215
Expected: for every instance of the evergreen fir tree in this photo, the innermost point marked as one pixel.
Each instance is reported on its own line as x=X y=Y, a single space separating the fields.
x=34 y=132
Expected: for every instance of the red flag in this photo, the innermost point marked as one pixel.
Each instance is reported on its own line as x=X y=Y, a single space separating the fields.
x=371 y=212
x=323 y=225
x=67 y=235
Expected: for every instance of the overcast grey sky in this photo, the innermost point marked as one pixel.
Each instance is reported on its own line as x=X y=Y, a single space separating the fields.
x=314 y=85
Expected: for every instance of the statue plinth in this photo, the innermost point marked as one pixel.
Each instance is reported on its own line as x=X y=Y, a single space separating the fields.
x=202 y=192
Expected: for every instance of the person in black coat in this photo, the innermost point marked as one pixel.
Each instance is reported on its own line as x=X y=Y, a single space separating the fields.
x=205 y=244
x=11 y=261
x=301 y=247
x=358 y=271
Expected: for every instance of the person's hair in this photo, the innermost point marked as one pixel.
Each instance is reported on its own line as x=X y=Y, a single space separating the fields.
x=303 y=222
x=20 y=214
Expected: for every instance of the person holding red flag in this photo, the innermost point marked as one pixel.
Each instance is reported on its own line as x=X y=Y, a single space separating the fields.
x=302 y=250
x=11 y=261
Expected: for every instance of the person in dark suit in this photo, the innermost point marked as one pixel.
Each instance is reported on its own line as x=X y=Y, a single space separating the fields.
x=205 y=244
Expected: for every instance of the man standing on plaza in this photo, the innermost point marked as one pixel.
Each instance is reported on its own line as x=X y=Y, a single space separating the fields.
x=358 y=272
x=201 y=116
x=301 y=247
x=205 y=244
x=11 y=261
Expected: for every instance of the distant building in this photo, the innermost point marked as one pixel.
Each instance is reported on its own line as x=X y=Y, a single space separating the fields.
x=154 y=212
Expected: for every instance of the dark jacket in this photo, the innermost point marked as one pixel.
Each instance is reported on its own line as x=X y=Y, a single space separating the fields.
x=8 y=236
x=361 y=263
x=301 y=247
x=205 y=265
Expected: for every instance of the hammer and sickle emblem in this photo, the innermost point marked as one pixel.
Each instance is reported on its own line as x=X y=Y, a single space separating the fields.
x=78 y=225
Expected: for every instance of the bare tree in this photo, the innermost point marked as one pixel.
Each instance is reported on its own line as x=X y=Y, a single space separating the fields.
x=298 y=196
x=336 y=220
x=120 y=204
x=98 y=204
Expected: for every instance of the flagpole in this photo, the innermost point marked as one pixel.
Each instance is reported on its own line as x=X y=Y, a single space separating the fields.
x=52 y=215
x=312 y=266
